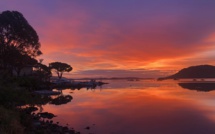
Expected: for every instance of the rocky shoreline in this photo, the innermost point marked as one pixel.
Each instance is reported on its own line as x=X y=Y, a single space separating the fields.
x=41 y=123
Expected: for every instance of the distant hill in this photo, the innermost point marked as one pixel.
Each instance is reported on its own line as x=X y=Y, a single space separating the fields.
x=201 y=71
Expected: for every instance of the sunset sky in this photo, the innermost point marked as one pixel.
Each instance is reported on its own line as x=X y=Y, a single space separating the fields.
x=117 y=38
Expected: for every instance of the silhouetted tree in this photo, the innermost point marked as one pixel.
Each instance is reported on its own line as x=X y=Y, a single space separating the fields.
x=22 y=61
x=15 y=61
x=60 y=68
x=16 y=35
x=43 y=71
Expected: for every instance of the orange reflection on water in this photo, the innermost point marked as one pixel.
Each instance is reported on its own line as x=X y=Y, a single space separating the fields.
x=156 y=110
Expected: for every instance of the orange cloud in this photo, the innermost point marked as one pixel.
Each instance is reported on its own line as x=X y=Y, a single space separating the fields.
x=153 y=38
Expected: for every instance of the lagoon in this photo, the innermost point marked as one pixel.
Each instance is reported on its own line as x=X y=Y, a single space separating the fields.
x=138 y=107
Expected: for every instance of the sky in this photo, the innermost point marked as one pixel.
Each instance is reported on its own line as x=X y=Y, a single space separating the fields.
x=122 y=38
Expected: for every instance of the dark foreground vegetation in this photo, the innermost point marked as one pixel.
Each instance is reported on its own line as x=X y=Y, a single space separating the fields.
x=18 y=106
x=20 y=75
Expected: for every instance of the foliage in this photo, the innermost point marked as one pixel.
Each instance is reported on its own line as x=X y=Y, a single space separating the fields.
x=43 y=71
x=16 y=31
x=19 y=42
x=12 y=97
x=19 y=45
x=60 y=67
x=10 y=122
x=19 y=61
x=12 y=119
x=29 y=83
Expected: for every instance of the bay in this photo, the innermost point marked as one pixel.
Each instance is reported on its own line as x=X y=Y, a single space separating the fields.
x=138 y=107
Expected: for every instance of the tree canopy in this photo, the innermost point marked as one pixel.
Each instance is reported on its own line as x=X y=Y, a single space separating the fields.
x=43 y=71
x=19 y=42
x=16 y=31
x=60 y=68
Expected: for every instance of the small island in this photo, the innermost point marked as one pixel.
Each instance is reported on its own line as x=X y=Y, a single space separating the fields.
x=193 y=72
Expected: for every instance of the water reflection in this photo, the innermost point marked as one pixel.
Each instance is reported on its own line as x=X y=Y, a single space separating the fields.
x=163 y=108
x=62 y=99
x=199 y=86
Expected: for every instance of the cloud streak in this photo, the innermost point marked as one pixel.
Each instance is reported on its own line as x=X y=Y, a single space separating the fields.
x=114 y=35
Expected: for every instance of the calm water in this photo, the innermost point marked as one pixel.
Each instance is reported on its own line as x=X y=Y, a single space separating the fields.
x=139 y=107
